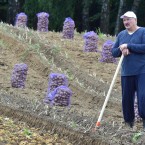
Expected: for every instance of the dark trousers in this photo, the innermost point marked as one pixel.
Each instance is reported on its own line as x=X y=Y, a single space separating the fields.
x=130 y=85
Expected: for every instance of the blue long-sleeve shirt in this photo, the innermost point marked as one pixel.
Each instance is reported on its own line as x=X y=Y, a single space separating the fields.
x=134 y=63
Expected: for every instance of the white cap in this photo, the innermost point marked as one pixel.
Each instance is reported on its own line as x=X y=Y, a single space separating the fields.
x=129 y=14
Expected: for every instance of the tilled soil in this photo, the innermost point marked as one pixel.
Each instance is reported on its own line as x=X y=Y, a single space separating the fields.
x=13 y=132
x=89 y=81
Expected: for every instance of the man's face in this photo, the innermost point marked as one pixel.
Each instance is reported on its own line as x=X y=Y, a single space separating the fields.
x=129 y=23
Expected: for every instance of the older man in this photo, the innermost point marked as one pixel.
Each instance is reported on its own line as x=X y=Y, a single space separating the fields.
x=131 y=43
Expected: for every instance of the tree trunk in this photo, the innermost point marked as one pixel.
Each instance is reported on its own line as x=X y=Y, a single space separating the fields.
x=3 y=10
x=85 y=14
x=21 y=3
x=120 y=12
x=135 y=5
x=104 y=23
x=13 y=9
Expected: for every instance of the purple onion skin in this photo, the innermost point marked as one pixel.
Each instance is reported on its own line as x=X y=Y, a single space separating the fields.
x=106 y=55
x=59 y=97
x=21 y=20
x=91 y=42
x=43 y=21
x=68 y=28
x=19 y=75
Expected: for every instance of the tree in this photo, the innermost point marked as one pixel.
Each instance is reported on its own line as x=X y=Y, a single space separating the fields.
x=105 y=12
x=85 y=14
x=58 y=10
x=120 y=11
x=13 y=9
x=135 y=5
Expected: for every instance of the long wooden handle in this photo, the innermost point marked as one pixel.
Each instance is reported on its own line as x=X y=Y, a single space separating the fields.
x=109 y=91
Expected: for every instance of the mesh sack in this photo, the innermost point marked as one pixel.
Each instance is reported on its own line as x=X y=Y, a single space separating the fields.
x=42 y=24
x=106 y=52
x=59 y=97
x=19 y=74
x=21 y=20
x=68 y=28
x=91 y=42
x=137 y=117
x=56 y=80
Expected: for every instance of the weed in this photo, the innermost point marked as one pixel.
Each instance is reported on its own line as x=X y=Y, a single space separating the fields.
x=27 y=132
x=100 y=34
x=136 y=137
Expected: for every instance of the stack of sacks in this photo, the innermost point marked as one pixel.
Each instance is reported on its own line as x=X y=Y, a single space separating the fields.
x=19 y=74
x=91 y=42
x=106 y=52
x=43 y=22
x=68 y=28
x=58 y=92
x=21 y=20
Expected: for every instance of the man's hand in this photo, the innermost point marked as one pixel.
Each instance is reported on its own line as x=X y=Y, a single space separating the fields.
x=125 y=52
x=123 y=48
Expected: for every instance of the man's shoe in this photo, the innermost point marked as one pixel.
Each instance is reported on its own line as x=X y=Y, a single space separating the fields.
x=129 y=124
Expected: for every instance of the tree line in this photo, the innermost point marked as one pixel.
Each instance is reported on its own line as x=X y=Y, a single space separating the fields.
x=103 y=15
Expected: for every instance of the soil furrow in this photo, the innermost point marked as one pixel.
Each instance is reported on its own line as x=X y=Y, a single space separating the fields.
x=33 y=120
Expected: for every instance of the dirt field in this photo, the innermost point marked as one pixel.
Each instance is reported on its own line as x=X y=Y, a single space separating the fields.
x=89 y=80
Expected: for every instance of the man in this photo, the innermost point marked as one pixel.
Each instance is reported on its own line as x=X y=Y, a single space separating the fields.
x=131 y=43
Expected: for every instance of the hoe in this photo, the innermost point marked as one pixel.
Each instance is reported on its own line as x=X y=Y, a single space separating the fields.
x=98 y=123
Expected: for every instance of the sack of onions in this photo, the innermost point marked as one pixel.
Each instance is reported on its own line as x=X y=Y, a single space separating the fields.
x=91 y=42
x=60 y=96
x=106 y=55
x=137 y=117
x=56 y=80
x=42 y=24
x=21 y=20
x=68 y=28
x=19 y=74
